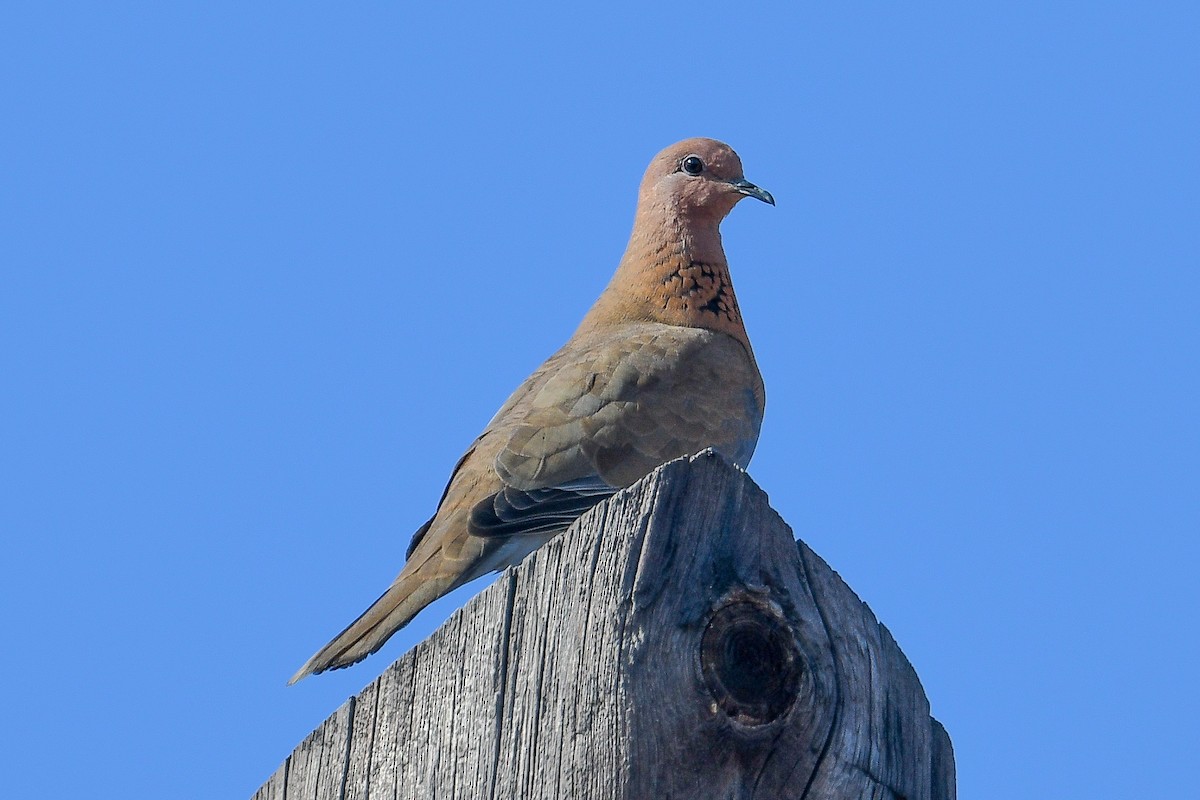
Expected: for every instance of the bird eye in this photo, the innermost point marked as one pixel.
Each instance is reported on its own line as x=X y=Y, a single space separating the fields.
x=692 y=165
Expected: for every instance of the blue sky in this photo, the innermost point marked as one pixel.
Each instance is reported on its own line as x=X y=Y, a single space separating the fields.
x=268 y=270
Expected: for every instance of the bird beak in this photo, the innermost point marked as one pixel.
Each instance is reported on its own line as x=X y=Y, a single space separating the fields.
x=743 y=186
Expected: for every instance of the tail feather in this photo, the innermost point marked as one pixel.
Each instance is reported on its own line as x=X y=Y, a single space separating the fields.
x=394 y=609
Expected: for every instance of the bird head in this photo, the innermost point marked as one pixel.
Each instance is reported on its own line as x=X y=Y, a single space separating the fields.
x=699 y=178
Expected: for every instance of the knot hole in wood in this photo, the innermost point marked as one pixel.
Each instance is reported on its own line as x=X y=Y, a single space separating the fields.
x=750 y=662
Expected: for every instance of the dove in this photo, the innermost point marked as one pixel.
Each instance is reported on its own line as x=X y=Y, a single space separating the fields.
x=659 y=368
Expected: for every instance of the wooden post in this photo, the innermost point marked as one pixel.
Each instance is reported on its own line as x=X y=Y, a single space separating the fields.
x=675 y=643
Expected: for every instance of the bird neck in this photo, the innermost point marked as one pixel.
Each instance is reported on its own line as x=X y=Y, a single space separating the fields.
x=674 y=271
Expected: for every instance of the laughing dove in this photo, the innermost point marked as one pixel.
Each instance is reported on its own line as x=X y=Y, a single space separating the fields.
x=659 y=368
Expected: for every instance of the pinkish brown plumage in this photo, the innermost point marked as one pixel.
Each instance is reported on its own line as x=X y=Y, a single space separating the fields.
x=660 y=367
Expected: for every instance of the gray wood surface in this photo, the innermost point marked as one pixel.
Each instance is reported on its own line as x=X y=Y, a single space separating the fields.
x=675 y=643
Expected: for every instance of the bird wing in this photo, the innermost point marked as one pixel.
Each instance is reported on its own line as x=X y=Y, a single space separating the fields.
x=607 y=412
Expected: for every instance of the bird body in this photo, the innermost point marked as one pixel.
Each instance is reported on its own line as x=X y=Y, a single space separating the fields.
x=660 y=367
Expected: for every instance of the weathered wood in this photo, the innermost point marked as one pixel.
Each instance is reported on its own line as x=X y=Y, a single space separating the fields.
x=675 y=643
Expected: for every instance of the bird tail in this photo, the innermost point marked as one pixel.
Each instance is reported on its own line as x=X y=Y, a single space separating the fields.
x=394 y=609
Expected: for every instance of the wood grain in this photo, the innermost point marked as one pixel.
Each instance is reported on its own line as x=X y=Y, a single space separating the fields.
x=583 y=673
